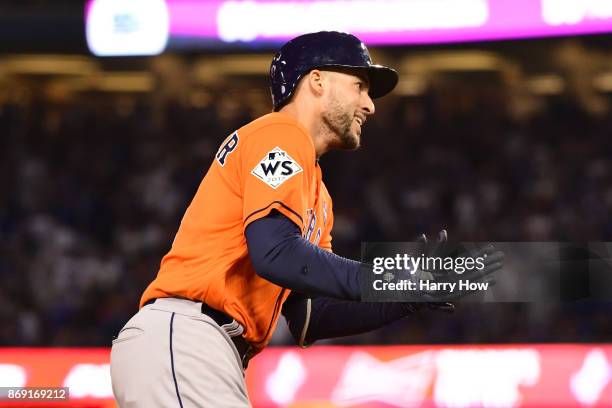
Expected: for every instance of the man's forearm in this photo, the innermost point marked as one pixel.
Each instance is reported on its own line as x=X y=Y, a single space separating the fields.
x=324 y=318
x=280 y=255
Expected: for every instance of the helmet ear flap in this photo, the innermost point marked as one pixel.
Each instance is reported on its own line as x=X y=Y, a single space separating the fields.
x=281 y=83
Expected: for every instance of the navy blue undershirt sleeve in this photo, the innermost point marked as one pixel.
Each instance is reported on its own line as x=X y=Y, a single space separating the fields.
x=280 y=255
x=331 y=318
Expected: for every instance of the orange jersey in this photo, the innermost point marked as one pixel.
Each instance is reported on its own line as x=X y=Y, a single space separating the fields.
x=269 y=164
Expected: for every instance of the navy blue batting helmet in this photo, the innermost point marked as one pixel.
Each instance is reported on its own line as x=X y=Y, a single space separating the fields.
x=331 y=49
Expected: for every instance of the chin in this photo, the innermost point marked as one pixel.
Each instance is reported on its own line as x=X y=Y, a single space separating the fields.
x=357 y=142
x=351 y=141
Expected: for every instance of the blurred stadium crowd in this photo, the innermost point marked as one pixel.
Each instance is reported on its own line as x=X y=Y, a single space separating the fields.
x=94 y=188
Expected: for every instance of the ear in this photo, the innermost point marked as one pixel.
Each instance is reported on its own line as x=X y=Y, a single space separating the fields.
x=316 y=81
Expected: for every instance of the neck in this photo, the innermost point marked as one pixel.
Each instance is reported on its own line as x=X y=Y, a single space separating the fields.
x=322 y=137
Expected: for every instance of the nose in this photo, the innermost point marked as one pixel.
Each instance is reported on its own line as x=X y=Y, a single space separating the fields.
x=367 y=104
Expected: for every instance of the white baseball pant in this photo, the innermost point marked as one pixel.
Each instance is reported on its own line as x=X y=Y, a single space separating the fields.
x=171 y=355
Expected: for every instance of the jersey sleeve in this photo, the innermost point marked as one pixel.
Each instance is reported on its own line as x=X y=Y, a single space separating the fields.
x=277 y=167
x=326 y=237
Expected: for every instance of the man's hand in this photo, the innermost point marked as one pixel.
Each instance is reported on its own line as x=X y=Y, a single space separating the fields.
x=492 y=261
x=445 y=307
x=413 y=307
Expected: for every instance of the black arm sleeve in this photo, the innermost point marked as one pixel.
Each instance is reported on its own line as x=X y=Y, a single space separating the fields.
x=326 y=318
x=279 y=254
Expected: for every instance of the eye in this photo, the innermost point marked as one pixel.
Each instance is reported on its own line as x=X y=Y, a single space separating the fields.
x=362 y=85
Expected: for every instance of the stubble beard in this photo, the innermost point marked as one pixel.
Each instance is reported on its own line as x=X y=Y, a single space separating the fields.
x=339 y=122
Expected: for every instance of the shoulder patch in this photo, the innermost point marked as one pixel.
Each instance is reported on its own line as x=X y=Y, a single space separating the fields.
x=276 y=167
x=226 y=148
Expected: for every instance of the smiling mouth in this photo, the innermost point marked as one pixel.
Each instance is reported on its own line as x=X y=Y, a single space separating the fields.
x=360 y=121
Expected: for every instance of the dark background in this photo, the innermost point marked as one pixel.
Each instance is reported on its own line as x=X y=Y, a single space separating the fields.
x=100 y=157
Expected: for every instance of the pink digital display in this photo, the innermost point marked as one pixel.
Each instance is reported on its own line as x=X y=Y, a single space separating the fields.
x=141 y=27
x=387 y=22
x=527 y=376
x=517 y=375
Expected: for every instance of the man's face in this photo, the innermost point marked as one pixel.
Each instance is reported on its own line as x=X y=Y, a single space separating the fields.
x=346 y=106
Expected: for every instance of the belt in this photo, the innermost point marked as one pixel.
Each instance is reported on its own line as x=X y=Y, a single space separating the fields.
x=229 y=325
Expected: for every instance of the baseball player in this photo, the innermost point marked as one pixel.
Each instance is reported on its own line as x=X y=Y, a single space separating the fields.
x=255 y=241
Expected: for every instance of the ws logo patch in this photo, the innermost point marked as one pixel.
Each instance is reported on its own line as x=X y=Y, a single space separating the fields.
x=276 y=167
x=226 y=148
